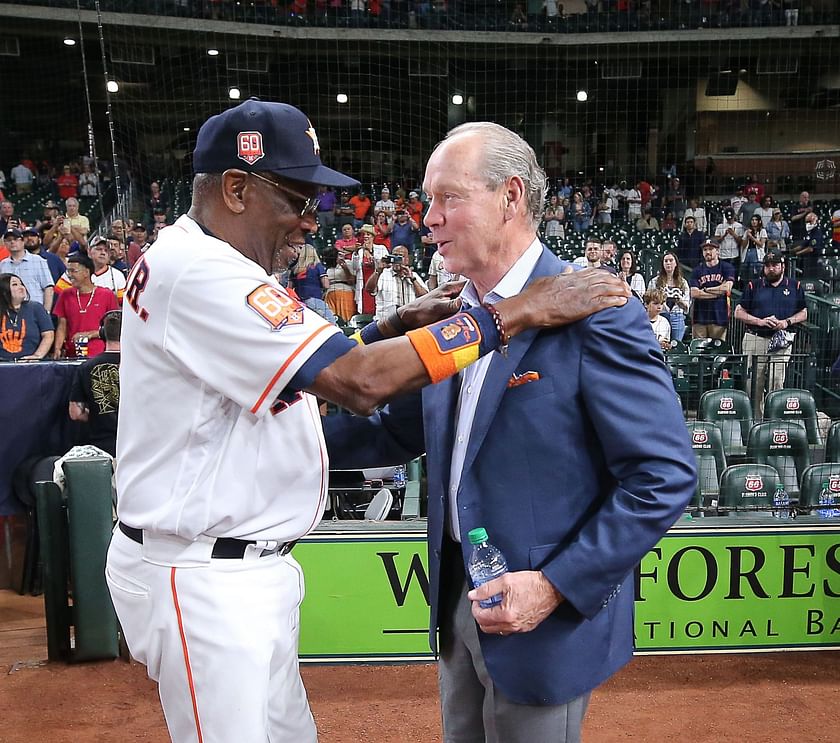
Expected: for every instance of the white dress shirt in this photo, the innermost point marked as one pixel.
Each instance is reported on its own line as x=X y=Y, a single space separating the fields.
x=472 y=378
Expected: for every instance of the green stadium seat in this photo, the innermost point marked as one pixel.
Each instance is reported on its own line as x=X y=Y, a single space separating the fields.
x=731 y=410
x=707 y=443
x=812 y=480
x=748 y=486
x=832 y=443
x=784 y=446
x=794 y=405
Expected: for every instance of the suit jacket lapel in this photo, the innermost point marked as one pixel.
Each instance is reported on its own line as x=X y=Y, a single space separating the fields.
x=439 y=424
x=501 y=369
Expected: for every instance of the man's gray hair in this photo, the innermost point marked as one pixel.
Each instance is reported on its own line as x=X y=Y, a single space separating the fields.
x=506 y=154
x=205 y=185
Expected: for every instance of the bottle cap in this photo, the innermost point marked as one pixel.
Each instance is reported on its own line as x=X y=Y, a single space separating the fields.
x=780 y=486
x=825 y=485
x=477 y=536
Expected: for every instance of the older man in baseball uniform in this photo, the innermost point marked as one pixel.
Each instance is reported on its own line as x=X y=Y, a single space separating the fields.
x=222 y=463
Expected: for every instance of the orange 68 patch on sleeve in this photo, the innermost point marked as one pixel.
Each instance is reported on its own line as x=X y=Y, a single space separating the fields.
x=275 y=307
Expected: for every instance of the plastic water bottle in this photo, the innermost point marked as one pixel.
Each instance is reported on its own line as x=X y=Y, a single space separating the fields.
x=781 y=502
x=399 y=476
x=485 y=563
x=826 y=499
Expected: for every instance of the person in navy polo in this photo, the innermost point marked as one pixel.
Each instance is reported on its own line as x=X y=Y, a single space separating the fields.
x=711 y=283
x=770 y=304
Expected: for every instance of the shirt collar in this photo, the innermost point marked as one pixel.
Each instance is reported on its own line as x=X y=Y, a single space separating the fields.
x=512 y=282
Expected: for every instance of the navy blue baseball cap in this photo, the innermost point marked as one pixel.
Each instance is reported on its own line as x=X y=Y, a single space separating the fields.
x=261 y=136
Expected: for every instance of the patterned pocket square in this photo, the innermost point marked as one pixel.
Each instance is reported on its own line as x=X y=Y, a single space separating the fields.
x=519 y=379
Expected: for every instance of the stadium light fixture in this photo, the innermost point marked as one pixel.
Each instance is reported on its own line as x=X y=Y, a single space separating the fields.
x=186 y=128
x=234 y=93
x=582 y=96
x=212 y=52
x=69 y=41
x=458 y=99
x=341 y=98
x=112 y=86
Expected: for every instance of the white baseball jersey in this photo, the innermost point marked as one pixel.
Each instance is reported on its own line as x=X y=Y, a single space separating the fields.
x=204 y=443
x=110 y=278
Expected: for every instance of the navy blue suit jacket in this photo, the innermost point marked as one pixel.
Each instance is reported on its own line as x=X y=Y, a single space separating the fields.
x=577 y=474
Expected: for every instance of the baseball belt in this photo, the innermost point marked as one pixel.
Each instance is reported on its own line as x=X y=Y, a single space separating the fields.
x=224 y=548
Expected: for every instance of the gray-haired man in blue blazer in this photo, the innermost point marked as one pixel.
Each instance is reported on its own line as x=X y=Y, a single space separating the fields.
x=570 y=449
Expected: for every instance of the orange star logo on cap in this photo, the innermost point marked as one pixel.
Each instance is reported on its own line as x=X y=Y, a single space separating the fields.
x=314 y=137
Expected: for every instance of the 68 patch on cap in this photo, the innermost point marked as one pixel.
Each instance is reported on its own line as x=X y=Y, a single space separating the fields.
x=263 y=136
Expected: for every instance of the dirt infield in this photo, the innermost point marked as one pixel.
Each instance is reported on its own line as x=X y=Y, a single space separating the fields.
x=778 y=697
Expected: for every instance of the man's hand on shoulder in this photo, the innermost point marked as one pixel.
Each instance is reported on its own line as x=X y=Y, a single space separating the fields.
x=528 y=597
x=552 y=301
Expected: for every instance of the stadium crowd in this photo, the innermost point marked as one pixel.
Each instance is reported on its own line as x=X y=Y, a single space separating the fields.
x=571 y=16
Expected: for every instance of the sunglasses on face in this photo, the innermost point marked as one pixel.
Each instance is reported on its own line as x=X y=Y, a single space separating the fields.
x=310 y=204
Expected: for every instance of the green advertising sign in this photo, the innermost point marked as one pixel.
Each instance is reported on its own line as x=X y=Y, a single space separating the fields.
x=697 y=590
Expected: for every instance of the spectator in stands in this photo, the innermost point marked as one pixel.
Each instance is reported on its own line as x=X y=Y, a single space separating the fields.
x=88 y=183
x=634 y=203
x=835 y=231
x=689 y=242
x=675 y=291
x=552 y=221
x=809 y=250
x=22 y=177
x=403 y=229
x=32 y=270
x=778 y=230
x=591 y=257
x=765 y=211
x=104 y=274
x=669 y=222
x=609 y=254
x=738 y=200
x=364 y=263
x=654 y=300
x=47 y=220
x=310 y=281
x=414 y=206
x=754 y=186
x=347 y=244
x=647 y=221
x=629 y=271
x=345 y=210
x=67 y=184
x=748 y=208
x=698 y=213
x=382 y=225
x=797 y=219
x=156 y=201
x=438 y=275
x=33 y=246
x=78 y=223
x=95 y=395
x=26 y=331
x=342 y=283
x=326 y=207
x=580 y=213
x=711 y=285
x=675 y=199
x=139 y=243
x=729 y=234
x=360 y=204
x=753 y=245
x=8 y=220
x=770 y=304
x=2 y=181
x=604 y=209
x=80 y=310
x=385 y=204
x=116 y=255
x=394 y=282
